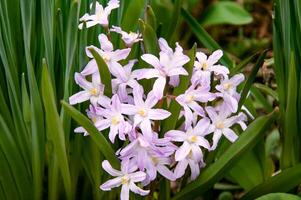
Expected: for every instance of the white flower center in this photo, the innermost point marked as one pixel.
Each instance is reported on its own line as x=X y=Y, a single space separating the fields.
x=155 y=160
x=142 y=112
x=204 y=66
x=94 y=119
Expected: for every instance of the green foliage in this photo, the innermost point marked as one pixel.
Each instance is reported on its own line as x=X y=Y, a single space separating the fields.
x=225 y=12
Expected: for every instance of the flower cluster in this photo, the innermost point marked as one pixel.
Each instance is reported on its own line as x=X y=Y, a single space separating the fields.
x=133 y=115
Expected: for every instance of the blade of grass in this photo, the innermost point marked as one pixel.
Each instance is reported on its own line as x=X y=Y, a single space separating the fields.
x=101 y=142
x=56 y=137
x=251 y=78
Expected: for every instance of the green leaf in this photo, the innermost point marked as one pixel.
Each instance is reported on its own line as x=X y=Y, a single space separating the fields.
x=251 y=79
x=55 y=130
x=282 y=182
x=101 y=142
x=217 y=170
x=226 y=12
x=291 y=138
x=279 y=196
x=205 y=38
x=105 y=75
x=150 y=17
x=150 y=39
x=132 y=14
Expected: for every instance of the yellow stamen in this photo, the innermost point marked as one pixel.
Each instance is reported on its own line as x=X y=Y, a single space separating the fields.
x=94 y=119
x=220 y=125
x=142 y=112
x=189 y=98
x=204 y=66
x=124 y=180
x=155 y=160
x=106 y=58
x=193 y=138
x=93 y=92
x=115 y=120
x=227 y=86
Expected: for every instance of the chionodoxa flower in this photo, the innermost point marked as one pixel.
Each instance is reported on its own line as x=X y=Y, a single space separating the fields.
x=137 y=112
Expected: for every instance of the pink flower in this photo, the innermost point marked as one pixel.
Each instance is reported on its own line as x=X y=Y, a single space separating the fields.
x=192 y=140
x=128 y=38
x=100 y=15
x=189 y=101
x=108 y=54
x=113 y=119
x=221 y=123
x=150 y=155
x=227 y=90
x=203 y=65
x=143 y=111
x=126 y=178
x=93 y=91
x=124 y=77
x=170 y=64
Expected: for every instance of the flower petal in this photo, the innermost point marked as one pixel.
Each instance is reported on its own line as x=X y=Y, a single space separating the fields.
x=214 y=57
x=137 y=176
x=164 y=171
x=180 y=168
x=79 y=97
x=183 y=151
x=230 y=134
x=105 y=43
x=108 y=185
x=125 y=192
x=158 y=114
x=159 y=86
x=138 y=190
x=152 y=60
x=175 y=135
x=108 y=168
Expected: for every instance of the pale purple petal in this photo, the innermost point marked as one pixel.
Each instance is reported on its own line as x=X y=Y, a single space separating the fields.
x=180 y=168
x=175 y=135
x=151 y=100
x=138 y=190
x=164 y=171
x=164 y=46
x=183 y=151
x=152 y=60
x=146 y=73
x=115 y=182
x=159 y=86
x=120 y=54
x=128 y=109
x=230 y=135
x=146 y=128
x=177 y=71
x=174 y=81
x=137 y=176
x=216 y=137
x=158 y=114
x=105 y=43
x=90 y=68
x=102 y=124
x=109 y=169
x=125 y=192
x=214 y=57
x=195 y=170
x=79 y=97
